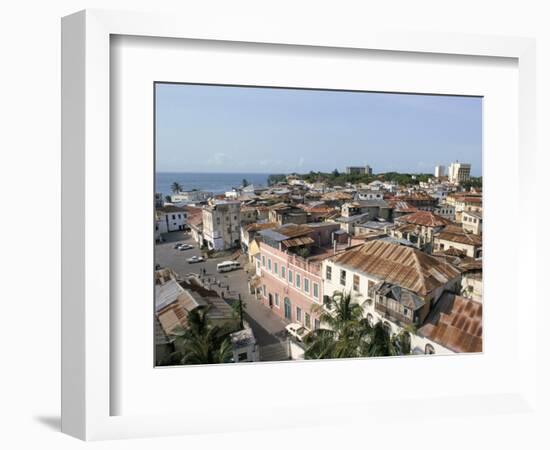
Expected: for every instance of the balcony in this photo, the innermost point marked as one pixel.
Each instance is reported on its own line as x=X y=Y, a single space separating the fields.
x=392 y=315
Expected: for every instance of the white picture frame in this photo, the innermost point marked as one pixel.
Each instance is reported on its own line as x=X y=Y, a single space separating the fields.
x=87 y=384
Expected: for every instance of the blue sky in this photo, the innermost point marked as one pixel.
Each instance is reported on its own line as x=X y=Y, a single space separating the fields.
x=240 y=129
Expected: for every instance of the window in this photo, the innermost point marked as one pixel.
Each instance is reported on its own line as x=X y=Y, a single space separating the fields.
x=356 y=283
x=242 y=356
x=275 y=267
x=342 y=277
x=277 y=300
x=290 y=278
x=306 y=285
x=288 y=309
x=405 y=312
x=307 y=321
x=429 y=350
x=370 y=288
x=258 y=264
x=283 y=272
x=316 y=324
x=298 y=280
x=263 y=260
x=329 y=273
x=298 y=314
x=269 y=264
x=264 y=290
x=173 y=217
x=315 y=290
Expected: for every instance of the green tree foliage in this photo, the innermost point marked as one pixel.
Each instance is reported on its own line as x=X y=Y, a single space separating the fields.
x=275 y=178
x=176 y=187
x=473 y=182
x=345 y=333
x=200 y=342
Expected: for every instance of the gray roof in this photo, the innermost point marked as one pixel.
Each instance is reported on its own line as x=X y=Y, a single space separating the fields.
x=393 y=240
x=355 y=218
x=242 y=338
x=273 y=235
x=166 y=294
x=376 y=225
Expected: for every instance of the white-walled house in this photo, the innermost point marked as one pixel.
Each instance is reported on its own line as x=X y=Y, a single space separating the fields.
x=453 y=237
x=472 y=221
x=397 y=285
x=171 y=218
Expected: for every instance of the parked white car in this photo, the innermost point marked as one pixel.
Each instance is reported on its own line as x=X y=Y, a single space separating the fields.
x=297 y=330
x=185 y=247
x=195 y=259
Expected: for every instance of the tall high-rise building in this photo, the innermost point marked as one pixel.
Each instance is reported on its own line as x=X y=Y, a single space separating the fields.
x=359 y=170
x=459 y=172
x=439 y=171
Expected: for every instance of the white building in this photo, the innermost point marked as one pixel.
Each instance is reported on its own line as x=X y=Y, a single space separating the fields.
x=370 y=195
x=472 y=221
x=170 y=218
x=439 y=171
x=445 y=210
x=244 y=346
x=190 y=196
x=397 y=285
x=459 y=172
x=221 y=223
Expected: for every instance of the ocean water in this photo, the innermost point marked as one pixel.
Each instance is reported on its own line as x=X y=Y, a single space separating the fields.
x=210 y=182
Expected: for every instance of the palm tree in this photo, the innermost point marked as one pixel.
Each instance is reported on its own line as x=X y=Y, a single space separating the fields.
x=200 y=342
x=379 y=343
x=176 y=187
x=350 y=335
x=209 y=348
x=345 y=329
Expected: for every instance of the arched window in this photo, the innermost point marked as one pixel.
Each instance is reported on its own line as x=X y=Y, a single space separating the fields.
x=429 y=349
x=370 y=319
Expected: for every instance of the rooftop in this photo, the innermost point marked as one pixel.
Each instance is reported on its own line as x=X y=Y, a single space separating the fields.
x=455 y=323
x=454 y=234
x=424 y=218
x=405 y=266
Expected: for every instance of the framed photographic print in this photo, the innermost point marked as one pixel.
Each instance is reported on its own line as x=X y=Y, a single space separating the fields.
x=265 y=219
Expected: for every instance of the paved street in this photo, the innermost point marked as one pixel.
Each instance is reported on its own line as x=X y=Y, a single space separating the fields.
x=267 y=327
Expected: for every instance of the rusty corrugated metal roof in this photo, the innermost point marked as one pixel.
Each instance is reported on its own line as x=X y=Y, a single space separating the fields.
x=296 y=242
x=425 y=218
x=460 y=237
x=456 y=323
x=407 y=267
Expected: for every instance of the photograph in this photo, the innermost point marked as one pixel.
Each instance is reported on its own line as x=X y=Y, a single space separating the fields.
x=301 y=224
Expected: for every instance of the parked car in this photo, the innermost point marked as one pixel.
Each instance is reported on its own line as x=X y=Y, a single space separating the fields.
x=178 y=245
x=195 y=259
x=297 y=330
x=185 y=247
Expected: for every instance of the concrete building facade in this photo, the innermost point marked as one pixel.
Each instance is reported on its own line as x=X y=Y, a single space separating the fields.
x=221 y=223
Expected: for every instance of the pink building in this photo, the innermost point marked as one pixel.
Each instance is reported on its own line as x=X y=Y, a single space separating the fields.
x=289 y=266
